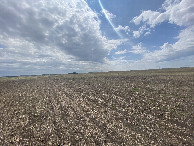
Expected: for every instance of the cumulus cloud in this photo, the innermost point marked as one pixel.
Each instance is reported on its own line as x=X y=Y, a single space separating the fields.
x=124 y=28
x=179 y=12
x=137 y=34
x=51 y=31
x=184 y=47
x=175 y=11
x=142 y=30
x=180 y=53
x=55 y=24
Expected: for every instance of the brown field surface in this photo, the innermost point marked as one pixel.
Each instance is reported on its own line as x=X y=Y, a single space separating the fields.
x=154 y=107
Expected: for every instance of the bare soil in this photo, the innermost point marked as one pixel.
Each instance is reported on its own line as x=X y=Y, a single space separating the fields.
x=117 y=108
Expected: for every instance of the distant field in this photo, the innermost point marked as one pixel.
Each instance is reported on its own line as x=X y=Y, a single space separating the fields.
x=153 y=107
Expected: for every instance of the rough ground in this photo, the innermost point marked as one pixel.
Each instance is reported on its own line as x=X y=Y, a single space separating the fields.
x=119 y=108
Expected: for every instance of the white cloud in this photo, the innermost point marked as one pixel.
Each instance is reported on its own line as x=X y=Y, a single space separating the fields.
x=178 y=54
x=124 y=28
x=121 y=52
x=137 y=34
x=184 y=47
x=56 y=24
x=116 y=65
x=51 y=33
x=175 y=11
x=138 y=49
x=150 y=17
x=108 y=14
x=147 y=33
x=180 y=12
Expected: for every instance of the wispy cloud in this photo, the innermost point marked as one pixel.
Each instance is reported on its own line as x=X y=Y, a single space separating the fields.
x=121 y=52
x=150 y=17
x=109 y=14
x=138 y=49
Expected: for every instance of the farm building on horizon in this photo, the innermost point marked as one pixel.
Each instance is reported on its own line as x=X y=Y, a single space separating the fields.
x=73 y=73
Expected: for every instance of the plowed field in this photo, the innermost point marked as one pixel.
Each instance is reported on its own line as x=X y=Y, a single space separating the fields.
x=117 y=108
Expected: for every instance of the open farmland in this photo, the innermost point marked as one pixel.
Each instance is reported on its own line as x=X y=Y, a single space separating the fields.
x=152 y=107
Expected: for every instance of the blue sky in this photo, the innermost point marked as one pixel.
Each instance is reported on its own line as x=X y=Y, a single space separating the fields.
x=56 y=36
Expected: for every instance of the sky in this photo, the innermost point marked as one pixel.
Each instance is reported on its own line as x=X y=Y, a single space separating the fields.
x=61 y=36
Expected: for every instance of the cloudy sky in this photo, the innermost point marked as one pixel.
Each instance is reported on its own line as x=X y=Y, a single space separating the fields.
x=61 y=36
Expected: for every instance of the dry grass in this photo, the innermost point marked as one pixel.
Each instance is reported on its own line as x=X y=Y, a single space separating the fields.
x=119 y=108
